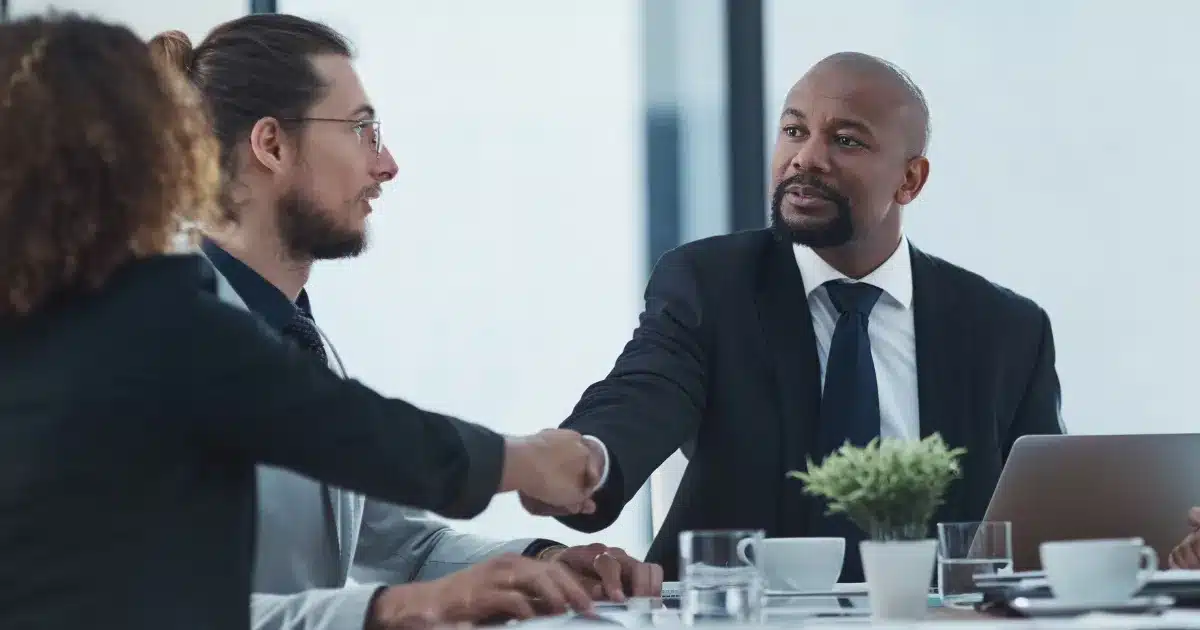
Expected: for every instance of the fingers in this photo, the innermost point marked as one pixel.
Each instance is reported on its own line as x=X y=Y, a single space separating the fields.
x=554 y=467
x=540 y=584
x=606 y=567
x=645 y=580
x=541 y=508
x=549 y=582
x=578 y=597
x=1191 y=553
x=1186 y=555
x=1194 y=518
x=504 y=602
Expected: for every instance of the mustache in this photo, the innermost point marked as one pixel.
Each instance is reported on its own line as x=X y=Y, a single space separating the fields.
x=811 y=181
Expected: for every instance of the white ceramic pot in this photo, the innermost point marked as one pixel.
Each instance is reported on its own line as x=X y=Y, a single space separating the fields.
x=898 y=576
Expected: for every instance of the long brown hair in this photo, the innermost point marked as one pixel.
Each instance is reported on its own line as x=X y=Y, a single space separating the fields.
x=102 y=157
x=253 y=67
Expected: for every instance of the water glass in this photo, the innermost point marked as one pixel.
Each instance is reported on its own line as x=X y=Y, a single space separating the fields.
x=969 y=549
x=719 y=579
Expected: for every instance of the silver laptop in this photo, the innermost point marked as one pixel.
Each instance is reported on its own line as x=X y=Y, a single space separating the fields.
x=1069 y=487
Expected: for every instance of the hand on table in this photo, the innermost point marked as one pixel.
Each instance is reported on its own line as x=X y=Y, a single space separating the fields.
x=595 y=467
x=554 y=468
x=1186 y=555
x=509 y=586
x=608 y=572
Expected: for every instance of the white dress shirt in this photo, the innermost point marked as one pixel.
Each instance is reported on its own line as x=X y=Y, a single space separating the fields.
x=890 y=329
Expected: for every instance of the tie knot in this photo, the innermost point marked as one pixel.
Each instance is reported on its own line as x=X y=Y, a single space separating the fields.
x=303 y=331
x=853 y=297
x=301 y=323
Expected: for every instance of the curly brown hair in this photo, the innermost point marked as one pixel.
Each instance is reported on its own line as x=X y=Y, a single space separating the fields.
x=103 y=158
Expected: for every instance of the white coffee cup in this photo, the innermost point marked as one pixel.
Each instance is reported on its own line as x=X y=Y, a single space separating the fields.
x=796 y=564
x=1097 y=572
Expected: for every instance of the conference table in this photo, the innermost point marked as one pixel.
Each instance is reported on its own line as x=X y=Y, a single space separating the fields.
x=651 y=614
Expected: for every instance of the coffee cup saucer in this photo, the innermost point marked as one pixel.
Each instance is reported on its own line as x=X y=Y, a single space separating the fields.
x=1052 y=607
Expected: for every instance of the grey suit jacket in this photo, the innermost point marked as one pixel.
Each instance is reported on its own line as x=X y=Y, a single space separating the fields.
x=313 y=537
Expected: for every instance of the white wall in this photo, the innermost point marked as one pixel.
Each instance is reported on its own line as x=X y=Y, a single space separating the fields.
x=506 y=266
x=147 y=18
x=1064 y=144
x=685 y=73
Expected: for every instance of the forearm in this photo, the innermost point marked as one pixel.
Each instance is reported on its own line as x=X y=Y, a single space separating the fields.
x=398 y=545
x=317 y=609
x=454 y=551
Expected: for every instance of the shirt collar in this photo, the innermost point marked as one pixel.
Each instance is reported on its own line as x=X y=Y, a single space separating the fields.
x=260 y=296
x=894 y=276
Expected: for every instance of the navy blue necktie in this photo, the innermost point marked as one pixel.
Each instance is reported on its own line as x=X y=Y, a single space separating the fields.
x=850 y=400
x=303 y=331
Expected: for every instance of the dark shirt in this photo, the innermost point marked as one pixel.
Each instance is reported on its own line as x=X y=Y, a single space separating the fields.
x=131 y=421
x=260 y=296
x=277 y=311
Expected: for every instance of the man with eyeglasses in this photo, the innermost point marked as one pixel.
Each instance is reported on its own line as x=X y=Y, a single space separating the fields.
x=303 y=158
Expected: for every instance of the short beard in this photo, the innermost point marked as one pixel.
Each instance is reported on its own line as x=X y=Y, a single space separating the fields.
x=838 y=231
x=309 y=233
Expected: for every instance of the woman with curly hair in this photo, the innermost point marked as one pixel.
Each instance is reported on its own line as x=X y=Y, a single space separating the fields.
x=134 y=403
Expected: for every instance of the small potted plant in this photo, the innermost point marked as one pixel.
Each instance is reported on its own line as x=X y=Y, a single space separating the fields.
x=890 y=489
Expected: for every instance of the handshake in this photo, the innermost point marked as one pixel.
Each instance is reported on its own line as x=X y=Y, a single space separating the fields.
x=555 y=471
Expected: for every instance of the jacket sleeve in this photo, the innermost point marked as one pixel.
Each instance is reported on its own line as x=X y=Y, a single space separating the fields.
x=653 y=400
x=1040 y=409
x=397 y=545
x=246 y=392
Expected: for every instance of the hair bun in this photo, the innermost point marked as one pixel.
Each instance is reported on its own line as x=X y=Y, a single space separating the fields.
x=172 y=49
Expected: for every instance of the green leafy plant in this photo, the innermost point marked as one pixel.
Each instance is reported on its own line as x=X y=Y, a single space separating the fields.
x=888 y=488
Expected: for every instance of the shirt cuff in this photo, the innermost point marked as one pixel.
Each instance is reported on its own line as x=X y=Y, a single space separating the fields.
x=603 y=449
x=540 y=546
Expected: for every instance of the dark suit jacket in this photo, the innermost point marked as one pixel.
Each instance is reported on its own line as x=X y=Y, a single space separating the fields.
x=131 y=421
x=725 y=356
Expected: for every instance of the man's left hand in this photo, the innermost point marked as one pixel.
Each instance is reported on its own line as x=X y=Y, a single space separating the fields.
x=608 y=572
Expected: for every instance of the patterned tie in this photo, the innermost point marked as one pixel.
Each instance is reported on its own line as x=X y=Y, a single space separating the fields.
x=850 y=401
x=303 y=331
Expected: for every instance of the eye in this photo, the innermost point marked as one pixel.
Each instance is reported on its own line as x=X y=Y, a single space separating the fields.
x=360 y=128
x=792 y=131
x=848 y=142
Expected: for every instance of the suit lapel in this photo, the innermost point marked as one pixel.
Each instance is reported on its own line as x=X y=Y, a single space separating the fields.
x=792 y=349
x=944 y=349
x=345 y=513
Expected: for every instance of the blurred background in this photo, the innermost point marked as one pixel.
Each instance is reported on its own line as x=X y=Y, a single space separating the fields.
x=551 y=150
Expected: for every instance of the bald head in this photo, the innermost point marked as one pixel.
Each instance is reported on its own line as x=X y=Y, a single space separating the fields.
x=849 y=154
x=895 y=88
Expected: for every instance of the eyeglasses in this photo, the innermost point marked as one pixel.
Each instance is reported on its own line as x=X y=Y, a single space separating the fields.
x=366 y=130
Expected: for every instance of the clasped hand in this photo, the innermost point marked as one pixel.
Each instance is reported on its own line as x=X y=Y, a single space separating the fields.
x=555 y=471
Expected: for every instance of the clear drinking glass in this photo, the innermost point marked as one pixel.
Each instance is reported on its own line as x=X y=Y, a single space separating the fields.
x=969 y=549
x=719 y=580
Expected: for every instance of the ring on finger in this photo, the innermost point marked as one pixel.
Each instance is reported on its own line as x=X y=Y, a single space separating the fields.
x=596 y=560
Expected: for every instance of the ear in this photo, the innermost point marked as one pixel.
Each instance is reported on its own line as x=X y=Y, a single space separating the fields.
x=271 y=145
x=916 y=173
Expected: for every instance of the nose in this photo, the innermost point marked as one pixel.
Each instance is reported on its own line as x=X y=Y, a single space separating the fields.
x=812 y=156
x=385 y=167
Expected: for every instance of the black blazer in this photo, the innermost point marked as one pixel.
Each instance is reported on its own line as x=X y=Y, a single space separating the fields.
x=725 y=359
x=131 y=421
